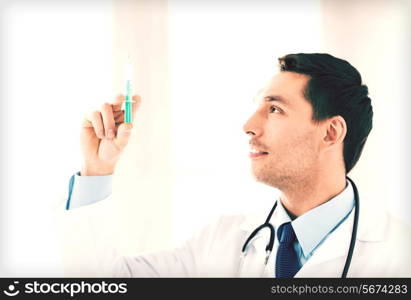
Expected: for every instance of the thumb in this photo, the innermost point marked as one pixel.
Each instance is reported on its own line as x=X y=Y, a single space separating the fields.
x=123 y=134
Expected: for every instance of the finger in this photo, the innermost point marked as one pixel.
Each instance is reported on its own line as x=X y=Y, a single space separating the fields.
x=86 y=122
x=108 y=120
x=120 y=99
x=96 y=121
x=118 y=113
x=116 y=108
x=123 y=134
x=118 y=102
x=136 y=105
x=136 y=101
x=119 y=117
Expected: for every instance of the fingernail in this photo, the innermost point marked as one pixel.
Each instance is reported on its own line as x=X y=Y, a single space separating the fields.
x=101 y=134
x=110 y=133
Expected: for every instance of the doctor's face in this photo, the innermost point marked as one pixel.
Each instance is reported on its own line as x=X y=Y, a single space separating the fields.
x=284 y=139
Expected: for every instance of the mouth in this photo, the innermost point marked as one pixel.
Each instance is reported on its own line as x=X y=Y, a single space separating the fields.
x=256 y=153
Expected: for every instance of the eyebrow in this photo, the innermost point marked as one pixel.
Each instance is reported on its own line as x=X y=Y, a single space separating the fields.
x=271 y=98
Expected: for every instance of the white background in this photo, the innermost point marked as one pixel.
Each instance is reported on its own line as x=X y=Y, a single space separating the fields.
x=197 y=67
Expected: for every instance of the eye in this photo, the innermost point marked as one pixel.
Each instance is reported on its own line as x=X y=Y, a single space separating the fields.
x=274 y=109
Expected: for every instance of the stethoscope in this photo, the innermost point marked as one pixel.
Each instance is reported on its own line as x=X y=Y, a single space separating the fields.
x=269 y=247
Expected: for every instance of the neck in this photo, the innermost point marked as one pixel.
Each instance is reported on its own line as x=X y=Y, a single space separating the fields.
x=303 y=197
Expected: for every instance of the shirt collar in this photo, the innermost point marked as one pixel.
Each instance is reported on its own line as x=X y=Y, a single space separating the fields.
x=313 y=226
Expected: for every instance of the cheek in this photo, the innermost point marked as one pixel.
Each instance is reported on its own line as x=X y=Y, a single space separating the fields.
x=294 y=144
x=277 y=132
x=303 y=148
x=290 y=134
x=283 y=137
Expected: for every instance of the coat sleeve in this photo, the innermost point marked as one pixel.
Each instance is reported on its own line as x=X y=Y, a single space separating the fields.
x=88 y=241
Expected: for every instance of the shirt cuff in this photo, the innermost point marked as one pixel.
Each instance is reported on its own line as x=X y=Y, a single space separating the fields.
x=85 y=190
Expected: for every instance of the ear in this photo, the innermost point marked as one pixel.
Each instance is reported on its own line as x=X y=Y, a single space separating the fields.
x=335 y=131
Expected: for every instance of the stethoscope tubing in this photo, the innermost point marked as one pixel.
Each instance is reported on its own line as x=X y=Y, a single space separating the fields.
x=354 y=229
x=270 y=244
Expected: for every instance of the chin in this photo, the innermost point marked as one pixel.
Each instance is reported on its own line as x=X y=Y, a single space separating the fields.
x=265 y=177
x=272 y=177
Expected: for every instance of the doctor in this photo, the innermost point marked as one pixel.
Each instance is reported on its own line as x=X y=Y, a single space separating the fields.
x=308 y=132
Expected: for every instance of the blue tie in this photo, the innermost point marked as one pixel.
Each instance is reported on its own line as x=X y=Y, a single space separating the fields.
x=287 y=264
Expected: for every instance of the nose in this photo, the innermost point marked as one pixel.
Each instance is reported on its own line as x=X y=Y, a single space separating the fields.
x=251 y=127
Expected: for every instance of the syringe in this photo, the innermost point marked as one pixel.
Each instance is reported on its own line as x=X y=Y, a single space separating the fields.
x=128 y=103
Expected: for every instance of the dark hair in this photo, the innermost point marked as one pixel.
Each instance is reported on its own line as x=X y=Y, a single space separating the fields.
x=335 y=88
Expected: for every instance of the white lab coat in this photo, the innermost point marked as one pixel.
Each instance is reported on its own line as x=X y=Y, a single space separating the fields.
x=87 y=234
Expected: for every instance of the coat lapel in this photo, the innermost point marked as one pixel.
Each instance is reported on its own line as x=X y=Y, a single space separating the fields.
x=329 y=258
x=321 y=264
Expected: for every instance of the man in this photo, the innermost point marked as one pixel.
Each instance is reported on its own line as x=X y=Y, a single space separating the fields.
x=308 y=132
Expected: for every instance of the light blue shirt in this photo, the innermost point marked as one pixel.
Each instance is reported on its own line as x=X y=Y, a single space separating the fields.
x=85 y=190
x=311 y=228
